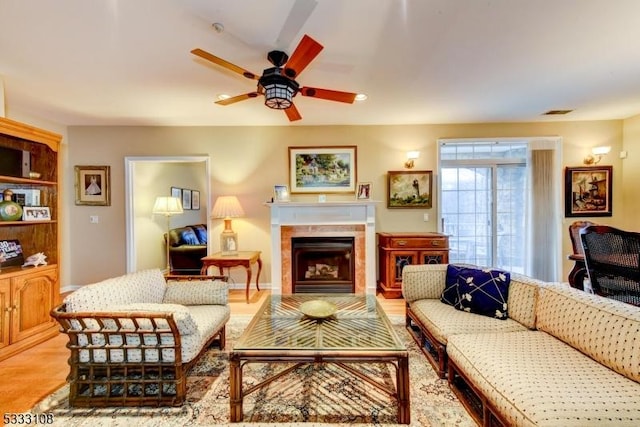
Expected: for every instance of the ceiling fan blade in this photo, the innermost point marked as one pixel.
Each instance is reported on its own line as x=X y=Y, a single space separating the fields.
x=237 y=98
x=292 y=113
x=306 y=51
x=331 y=95
x=226 y=64
x=298 y=15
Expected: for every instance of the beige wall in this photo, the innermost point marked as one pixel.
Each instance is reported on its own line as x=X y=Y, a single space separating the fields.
x=631 y=174
x=248 y=161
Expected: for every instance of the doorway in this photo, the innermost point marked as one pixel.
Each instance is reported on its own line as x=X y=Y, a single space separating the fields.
x=149 y=177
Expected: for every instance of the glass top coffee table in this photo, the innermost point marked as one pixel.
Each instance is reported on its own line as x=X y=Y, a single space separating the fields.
x=358 y=332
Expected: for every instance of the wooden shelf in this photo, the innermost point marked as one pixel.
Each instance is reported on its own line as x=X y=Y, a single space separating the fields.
x=28 y=181
x=14 y=223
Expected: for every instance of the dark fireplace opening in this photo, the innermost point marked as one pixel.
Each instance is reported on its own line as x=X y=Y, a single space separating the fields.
x=323 y=264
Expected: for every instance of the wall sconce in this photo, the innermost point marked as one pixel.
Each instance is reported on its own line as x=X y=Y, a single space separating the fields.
x=411 y=156
x=596 y=155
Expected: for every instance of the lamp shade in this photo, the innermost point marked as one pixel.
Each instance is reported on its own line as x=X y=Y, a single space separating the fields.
x=167 y=206
x=227 y=207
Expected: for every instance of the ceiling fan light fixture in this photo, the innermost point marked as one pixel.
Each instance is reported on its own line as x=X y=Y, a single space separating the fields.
x=278 y=89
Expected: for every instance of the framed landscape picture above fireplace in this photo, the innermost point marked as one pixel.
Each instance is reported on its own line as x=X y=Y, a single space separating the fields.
x=329 y=169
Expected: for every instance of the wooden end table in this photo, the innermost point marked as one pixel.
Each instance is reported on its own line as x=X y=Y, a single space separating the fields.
x=241 y=259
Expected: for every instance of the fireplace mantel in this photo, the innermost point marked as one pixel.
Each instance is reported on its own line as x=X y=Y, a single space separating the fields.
x=341 y=213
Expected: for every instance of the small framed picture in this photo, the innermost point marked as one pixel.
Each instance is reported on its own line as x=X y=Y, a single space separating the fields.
x=92 y=185
x=281 y=193
x=186 y=199
x=36 y=213
x=229 y=243
x=364 y=191
x=176 y=192
x=195 y=200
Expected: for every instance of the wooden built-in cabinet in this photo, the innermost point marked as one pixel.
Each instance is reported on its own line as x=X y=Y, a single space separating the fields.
x=396 y=250
x=27 y=294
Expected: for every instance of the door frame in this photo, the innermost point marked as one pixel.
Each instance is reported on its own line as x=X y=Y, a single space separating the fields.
x=129 y=180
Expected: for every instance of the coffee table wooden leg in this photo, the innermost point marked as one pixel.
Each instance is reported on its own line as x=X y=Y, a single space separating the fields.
x=258 y=275
x=402 y=384
x=235 y=389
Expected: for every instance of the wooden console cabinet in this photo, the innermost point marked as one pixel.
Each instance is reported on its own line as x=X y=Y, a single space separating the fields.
x=395 y=250
x=27 y=294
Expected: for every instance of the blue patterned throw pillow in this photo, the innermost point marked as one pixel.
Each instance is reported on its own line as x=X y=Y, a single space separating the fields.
x=484 y=291
x=451 y=294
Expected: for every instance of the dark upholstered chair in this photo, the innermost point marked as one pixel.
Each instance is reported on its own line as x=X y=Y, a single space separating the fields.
x=187 y=246
x=612 y=257
x=579 y=271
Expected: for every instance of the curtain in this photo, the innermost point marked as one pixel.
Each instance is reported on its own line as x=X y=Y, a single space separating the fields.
x=543 y=213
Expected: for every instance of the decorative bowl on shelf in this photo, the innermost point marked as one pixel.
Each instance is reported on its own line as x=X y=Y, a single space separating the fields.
x=318 y=309
x=34 y=175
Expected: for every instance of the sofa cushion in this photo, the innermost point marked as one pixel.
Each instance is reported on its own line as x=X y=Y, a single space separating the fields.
x=479 y=291
x=181 y=315
x=451 y=293
x=423 y=281
x=146 y=286
x=197 y=292
x=443 y=321
x=606 y=330
x=532 y=378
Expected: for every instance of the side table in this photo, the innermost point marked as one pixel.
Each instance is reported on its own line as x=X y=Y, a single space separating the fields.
x=241 y=259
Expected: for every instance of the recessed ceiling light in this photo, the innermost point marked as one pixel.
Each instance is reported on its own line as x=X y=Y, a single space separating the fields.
x=223 y=96
x=361 y=97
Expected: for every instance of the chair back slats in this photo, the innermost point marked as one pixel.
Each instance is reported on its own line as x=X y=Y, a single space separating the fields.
x=612 y=257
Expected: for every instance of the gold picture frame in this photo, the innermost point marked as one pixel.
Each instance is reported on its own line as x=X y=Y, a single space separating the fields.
x=93 y=185
x=323 y=170
x=410 y=189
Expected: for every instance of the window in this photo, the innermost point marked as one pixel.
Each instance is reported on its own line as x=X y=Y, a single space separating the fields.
x=486 y=195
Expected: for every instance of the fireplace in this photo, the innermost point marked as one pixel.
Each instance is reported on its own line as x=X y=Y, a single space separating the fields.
x=323 y=264
x=340 y=219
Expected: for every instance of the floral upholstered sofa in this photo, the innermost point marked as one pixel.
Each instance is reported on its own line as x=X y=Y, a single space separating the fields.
x=133 y=338
x=560 y=356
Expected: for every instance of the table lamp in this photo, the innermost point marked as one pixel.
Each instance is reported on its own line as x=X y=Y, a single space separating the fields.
x=227 y=207
x=167 y=206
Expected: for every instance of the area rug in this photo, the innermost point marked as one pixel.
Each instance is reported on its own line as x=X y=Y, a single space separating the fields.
x=311 y=395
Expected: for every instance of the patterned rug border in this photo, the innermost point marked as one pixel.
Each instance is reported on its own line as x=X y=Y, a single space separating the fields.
x=440 y=408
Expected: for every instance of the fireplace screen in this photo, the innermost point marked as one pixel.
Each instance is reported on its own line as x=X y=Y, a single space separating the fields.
x=323 y=264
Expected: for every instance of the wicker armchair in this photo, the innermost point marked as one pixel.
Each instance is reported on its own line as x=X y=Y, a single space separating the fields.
x=612 y=257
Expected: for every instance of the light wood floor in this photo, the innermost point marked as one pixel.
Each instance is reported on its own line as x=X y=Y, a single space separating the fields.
x=33 y=374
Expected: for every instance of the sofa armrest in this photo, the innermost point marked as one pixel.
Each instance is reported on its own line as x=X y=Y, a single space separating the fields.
x=424 y=281
x=120 y=336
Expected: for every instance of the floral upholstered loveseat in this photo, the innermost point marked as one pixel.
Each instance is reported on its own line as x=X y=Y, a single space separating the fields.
x=561 y=357
x=133 y=338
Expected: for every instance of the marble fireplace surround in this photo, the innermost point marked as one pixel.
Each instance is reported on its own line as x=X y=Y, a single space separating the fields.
x=330 y=219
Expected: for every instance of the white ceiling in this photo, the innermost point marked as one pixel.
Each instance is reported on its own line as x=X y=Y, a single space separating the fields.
x=128 y=62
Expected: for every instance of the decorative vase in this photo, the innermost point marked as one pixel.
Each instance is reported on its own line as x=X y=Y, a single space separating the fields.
x=9 y=210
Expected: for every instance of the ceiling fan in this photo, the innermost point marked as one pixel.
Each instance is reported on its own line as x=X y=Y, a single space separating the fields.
x=277 y=84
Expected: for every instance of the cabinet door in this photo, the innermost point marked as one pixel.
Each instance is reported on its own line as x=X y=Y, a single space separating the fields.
x=434 y=257
x=400 y=259
x=33 y=297
x=5 y=314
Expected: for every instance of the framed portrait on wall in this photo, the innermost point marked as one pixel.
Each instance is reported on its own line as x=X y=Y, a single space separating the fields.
x=186 y=199
x=93 y=185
